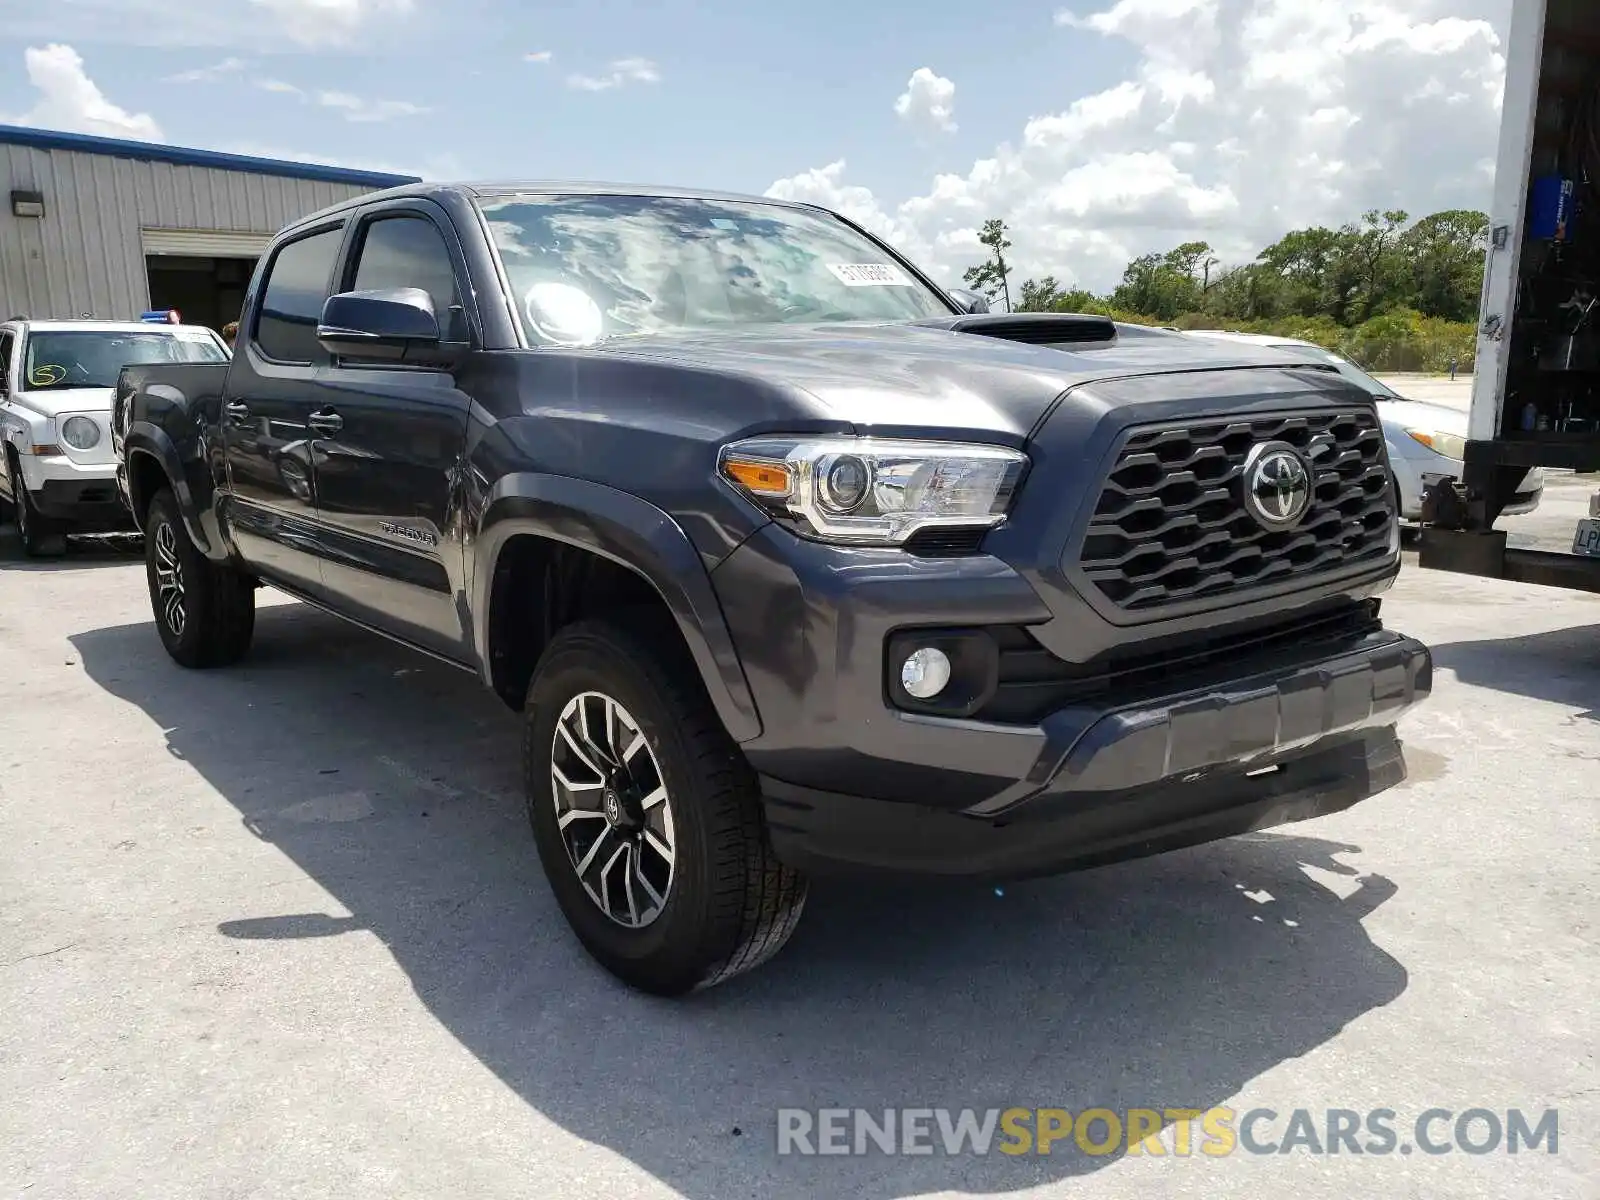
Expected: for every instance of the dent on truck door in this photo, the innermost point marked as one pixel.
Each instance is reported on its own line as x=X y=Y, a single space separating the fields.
x=266 y=434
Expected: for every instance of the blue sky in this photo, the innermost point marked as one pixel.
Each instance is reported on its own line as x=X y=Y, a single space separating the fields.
x=747 y=92
x=1093 y=125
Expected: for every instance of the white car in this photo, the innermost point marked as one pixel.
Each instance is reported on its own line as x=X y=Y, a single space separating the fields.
x=57 y=379
x=1424 y=439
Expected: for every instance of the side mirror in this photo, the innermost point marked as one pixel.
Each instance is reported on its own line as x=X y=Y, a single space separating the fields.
x=969 y=301
x=390 y=323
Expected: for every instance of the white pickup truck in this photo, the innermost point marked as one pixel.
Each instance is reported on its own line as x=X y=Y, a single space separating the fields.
x=1536 y=391
x=57 y=379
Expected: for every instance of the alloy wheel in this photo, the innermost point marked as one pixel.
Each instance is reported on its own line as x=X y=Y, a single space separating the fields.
x=169 y=580
x=612 y=809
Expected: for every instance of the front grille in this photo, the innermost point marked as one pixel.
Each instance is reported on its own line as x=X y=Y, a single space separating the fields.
x=1171 y=524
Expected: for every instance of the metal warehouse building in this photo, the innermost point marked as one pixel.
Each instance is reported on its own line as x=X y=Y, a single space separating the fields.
x=103 y=228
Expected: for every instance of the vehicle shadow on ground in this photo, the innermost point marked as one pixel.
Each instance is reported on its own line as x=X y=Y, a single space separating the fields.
x=1561 y=666
x=114 y=550
x=393 y=782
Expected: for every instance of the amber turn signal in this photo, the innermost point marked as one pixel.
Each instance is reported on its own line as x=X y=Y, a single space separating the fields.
x=769 y=479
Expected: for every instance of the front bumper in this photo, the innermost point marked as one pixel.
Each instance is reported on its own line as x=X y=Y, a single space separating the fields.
x=1285 y=745
x=1289 y=714
x=85 y=499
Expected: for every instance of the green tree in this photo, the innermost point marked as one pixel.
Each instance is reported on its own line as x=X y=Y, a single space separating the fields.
x=992 y=277
x=1443 y=255
x=1377 y=267
x=1303 y=262
x=1046 y=295
x=1393 y=294
x=1164 y=285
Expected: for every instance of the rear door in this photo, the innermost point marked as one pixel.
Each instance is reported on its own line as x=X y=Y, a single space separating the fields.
x=391 y=444
x=266 y=435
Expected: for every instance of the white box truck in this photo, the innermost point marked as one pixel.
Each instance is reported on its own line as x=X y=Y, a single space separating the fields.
x=1536 y=394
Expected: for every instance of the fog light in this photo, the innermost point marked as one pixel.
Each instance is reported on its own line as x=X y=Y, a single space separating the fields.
x=925 y=673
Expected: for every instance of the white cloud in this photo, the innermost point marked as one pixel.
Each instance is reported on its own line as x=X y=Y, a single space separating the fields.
x=622 y=71
x=351 y=107
x=216 y=71
x=331 y=22
x=1239 y=120
x=928 y=103
x=354 y=108
x=69 y=100
x=538 y=56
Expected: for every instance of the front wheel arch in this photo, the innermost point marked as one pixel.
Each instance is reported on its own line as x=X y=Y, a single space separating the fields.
x=634 y=537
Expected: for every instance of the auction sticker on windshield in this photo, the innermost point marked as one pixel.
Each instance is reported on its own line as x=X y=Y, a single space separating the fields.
x=868 y=275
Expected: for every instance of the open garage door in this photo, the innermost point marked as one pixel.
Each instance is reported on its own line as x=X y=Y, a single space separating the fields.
x=204 y=243
x=201 y=273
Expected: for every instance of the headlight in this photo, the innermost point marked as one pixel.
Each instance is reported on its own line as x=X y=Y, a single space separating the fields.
x=1450 y=445
x=875 y=491
x=80 y=433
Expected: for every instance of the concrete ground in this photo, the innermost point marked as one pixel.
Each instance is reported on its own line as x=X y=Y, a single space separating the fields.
x=278 y=931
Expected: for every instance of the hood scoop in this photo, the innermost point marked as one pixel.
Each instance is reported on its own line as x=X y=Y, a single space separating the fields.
x=1038 y=329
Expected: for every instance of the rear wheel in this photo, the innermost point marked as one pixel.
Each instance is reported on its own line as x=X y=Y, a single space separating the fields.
x=39 y=535
x=646 y=816
x=205 y=612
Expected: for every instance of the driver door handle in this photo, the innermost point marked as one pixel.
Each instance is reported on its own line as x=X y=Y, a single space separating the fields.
x=325 y=421
x=237 y=409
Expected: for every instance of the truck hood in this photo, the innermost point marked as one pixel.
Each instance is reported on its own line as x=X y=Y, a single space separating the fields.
x=53 y=402
x=935 y=376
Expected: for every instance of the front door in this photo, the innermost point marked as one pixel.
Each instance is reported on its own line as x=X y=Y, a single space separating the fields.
x=390 y=442
x=265 y=418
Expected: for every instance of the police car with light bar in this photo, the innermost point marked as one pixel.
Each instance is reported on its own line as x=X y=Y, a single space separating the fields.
x=57 y=378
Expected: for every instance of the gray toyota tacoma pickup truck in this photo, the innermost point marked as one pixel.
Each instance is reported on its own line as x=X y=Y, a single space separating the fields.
x=790 y=559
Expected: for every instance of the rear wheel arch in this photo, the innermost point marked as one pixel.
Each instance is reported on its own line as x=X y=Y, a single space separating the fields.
x=147 y=441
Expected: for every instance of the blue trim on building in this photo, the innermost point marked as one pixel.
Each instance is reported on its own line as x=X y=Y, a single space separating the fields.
x=47 y=139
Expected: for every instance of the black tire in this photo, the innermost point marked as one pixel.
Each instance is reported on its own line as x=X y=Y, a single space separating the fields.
x=40 y=537
x=730 y=904
x=208 y=621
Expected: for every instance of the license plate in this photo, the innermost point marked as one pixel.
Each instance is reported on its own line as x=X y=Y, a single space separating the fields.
x=1587 y=540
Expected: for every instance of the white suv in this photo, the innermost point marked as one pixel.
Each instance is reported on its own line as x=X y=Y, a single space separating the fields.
x=57 y=380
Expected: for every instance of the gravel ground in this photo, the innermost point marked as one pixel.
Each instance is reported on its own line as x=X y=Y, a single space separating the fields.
x=278 y=931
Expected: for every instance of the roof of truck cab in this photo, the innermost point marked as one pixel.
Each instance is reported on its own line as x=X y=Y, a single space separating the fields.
x=492 y=190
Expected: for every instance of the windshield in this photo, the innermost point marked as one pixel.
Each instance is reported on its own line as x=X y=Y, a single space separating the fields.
x=85 y=358
x=1348 y=369
x=584 y=268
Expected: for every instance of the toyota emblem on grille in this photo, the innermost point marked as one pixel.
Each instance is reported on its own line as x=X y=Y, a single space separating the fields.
x=1277 y=485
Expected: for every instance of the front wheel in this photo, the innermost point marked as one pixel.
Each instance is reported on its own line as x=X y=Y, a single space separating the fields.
x=205 y=612
x=646 y=816
x=39 y=536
